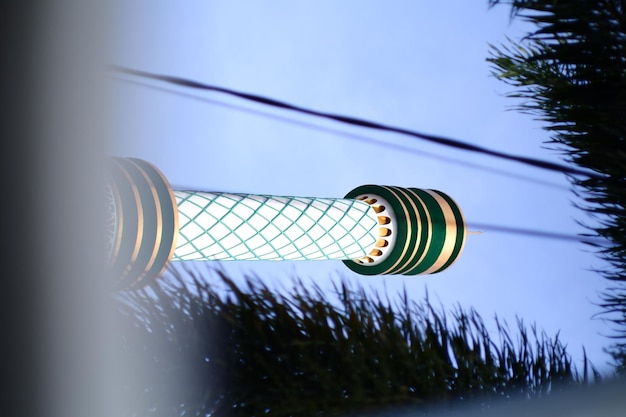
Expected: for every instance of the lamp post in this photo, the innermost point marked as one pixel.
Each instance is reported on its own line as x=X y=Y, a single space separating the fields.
x=374 y=229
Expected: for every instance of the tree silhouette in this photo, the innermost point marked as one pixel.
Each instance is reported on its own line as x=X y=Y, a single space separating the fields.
x=571 y=73
x=227 y=349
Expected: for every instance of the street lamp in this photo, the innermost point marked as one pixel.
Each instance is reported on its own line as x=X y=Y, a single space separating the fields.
x=374 y=229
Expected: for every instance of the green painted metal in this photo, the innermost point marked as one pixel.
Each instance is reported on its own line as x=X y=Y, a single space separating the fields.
x=421 y=231
x=461 y=236
x=425 y=229
x=402 y=230
x=436 y=224
x=145 y=223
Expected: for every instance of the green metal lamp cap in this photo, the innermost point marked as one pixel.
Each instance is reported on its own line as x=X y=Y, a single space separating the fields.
x=426 y=235
x=145 y=221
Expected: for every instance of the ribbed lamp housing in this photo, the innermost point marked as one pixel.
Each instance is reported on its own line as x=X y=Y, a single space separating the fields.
x=143 y=221
x=426 y=231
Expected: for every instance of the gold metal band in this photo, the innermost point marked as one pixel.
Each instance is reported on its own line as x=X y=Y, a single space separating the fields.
x=451 y=233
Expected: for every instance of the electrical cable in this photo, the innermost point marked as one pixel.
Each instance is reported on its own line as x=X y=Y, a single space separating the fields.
x=352 y=136
x=539 y=233
x=362 y=123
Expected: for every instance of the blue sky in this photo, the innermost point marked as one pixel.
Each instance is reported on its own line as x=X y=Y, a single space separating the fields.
x=416 y=65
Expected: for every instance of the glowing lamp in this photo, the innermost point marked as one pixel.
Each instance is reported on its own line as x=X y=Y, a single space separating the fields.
x=374 y=229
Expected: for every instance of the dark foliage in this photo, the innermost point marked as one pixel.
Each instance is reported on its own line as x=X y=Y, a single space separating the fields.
x=250 y=351
x=571 y=73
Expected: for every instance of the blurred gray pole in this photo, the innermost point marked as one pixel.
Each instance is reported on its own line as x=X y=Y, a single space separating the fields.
x=77 y=371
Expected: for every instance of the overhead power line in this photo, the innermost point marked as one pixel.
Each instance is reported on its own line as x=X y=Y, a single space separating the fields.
x=363 y=123
x=352 y=136
x=590 y=240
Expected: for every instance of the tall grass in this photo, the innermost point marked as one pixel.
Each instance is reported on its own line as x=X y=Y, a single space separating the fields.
x=244 y=350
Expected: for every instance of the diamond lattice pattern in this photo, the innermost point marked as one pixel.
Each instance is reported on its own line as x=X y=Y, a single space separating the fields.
x=253 y=227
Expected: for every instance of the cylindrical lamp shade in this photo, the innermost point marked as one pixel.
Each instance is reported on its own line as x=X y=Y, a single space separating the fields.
x=221 y=226
x=374 y=229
